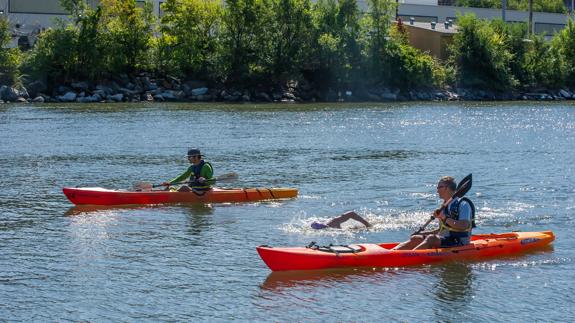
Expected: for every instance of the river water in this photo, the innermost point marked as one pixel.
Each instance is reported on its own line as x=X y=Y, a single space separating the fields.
x=182 y=263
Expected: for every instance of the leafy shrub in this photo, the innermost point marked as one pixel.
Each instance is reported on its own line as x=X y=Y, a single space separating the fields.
x=9 y=57
x=481 y=56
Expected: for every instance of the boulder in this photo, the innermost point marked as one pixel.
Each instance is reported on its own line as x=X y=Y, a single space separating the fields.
x=8 y=94
x=39 y=99
x=106 y=90
x=80 y=86
x=565 y=94
x=172 y=95
x=89 y=99
x=199 y=91
x=61 y=90
x=388 y=96
x=36 y=87
x=68 y=97
x=119 y=97
x=147 y=97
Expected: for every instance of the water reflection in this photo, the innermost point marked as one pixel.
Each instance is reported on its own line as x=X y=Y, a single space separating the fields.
x=277 y=281
x=85 y=209
x=453 y=290
x=193 y=209
x=199 y=217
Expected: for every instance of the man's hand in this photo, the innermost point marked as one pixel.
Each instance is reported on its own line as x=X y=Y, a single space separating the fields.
x=438 y=215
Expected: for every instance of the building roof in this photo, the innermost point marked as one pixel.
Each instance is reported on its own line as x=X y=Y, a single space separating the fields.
x=439 y=27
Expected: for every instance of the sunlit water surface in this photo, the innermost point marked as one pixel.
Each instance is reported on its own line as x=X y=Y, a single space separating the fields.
x=181 y=263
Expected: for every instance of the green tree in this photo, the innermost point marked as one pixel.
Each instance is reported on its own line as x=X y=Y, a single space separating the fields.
x=9 y=57
x=241 y=37
x=290 y=34
x=376 y=28
x=480 y=55
x=563 y=47
x=191 y=30
x=339 y=49
x=126 y=33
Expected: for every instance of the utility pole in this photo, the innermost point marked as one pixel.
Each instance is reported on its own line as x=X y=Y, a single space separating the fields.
x=504 y=7
x=530 y=27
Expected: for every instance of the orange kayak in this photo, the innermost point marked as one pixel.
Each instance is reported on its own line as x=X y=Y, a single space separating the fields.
x=380 y=255
x=102 y=196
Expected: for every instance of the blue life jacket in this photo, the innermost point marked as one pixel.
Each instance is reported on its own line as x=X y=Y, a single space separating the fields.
x=453 y=212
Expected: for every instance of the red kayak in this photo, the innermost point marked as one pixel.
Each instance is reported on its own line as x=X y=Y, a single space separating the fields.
x=102 y=196
x=380 y=255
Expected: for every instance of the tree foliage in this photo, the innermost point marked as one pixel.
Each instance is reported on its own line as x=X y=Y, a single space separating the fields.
x=253 y=43
x=9 y=57
x=481 y=56
x=191 y=30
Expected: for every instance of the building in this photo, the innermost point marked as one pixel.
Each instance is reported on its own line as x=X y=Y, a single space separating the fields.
x=29 y=17
x=431 y=37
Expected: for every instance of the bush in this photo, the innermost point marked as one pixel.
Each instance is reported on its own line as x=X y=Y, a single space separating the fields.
x=190 y=34
x=125 y=35
x=563 y=48
x=481 y=56
x=9 y=57
x=53 y=59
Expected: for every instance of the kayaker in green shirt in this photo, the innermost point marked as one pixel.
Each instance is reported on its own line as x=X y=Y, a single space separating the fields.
x=200 y=174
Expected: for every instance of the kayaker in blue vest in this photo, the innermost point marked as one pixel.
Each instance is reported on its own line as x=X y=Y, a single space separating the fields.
x=199 y=174
x=337 y=222
x=456 y=222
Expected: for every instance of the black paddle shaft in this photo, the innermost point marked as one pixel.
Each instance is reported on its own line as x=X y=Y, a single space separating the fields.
x=462 y=189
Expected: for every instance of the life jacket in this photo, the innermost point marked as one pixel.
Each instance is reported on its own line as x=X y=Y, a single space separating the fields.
x=196 y=173
x=452 y=211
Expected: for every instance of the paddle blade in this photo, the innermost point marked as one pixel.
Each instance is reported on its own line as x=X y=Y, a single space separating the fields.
x=464 y=186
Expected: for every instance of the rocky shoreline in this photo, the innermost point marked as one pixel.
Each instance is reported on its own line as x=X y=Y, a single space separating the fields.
x=170 y=89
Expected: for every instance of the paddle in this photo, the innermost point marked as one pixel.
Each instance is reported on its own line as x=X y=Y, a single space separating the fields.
x=146 y=186
x=462 y=189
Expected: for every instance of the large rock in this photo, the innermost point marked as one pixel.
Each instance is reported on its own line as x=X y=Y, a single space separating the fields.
x=116 y=97
x=8 y=94
x=68 y=97
x=170 y=95
x=62 y=89
x=199 y=91
x=388 y=96
x=89 y=99
x=105 y=89
x=565 y=94
x=80 y=86
x=36 y=87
